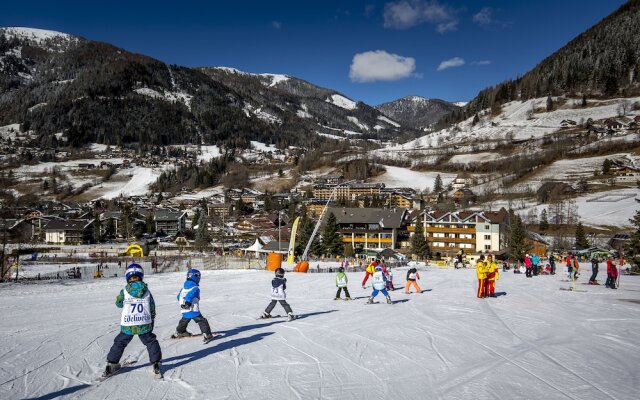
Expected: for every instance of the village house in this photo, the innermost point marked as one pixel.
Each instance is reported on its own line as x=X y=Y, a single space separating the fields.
x=169 y=221
x=73 y=231
x=461 y=181
x=371 y=228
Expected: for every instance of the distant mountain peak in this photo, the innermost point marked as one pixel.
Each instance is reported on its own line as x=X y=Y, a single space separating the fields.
x=416 y=111
x=34 y=35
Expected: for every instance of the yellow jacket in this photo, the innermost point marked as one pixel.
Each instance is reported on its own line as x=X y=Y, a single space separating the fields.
x=371 y=268
x=481 y=270
x=493 y=273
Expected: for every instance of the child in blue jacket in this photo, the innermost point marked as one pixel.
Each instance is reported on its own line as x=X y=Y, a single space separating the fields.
x=138 y=314
x=189 y=298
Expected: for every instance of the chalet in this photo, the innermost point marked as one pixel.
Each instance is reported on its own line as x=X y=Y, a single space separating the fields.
x=169 y=221
x=538 y=245
x=15 y=230
x=619 y=241
x=250 y=196
x=612 y=125
x=220 y=209
x=464 y=194
x=462 y=180
x=73 y=231
x=371 y=228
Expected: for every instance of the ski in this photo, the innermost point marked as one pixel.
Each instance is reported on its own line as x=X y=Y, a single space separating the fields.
x=213 y=337
x=271 y=317
x=573 y=290
x=191 y=336
x=124 y=364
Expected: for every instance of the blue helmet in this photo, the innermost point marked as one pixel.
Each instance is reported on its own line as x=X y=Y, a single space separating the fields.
x=378 y=268
x=134 y=270
x=193 y=275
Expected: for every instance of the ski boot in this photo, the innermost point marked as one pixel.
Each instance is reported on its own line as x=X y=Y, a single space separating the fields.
x=265 y=315
x=388 y=299
x=291 y=317
x=348 y=298
x=156 y=369
x=337 y=298
x=178 y=335
x=110 y=369
x=370 y=301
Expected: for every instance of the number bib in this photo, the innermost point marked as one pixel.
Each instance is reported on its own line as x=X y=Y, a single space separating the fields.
x=136 y=311
x=378 y=280
x=342 y=282
x=278 y=293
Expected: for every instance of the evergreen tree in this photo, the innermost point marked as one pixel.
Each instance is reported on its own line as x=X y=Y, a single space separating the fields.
x=149 y=223
x=437 y=185
x=544 y=222
x=348 y=251
x=196 y=217
x=633 y=252
x=331 y=238
x=606 y=166
x=97 y=229
x=419 y=245
x=110 y=230
x=517 y=245
x=202 y=234
x=476 y=119
x=584 y=100
x=549 y=103
x=581 y=238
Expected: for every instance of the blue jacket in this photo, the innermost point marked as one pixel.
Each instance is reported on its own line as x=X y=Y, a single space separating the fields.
x=535 y=259
x=191 y=297
x=136 y=289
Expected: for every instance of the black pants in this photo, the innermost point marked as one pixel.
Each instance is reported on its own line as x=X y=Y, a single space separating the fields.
x=594 y=273
x=535 y=270
x=611 y=282
x=529 y=272
x=200 y=320
x=283 y=303
x=346 y=291
x=122 y=340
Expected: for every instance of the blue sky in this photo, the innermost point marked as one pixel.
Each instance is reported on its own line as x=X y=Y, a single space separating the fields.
x=373 y=51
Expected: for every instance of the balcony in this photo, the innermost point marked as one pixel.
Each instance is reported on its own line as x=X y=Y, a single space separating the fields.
x=432 y=229
x=347 y=239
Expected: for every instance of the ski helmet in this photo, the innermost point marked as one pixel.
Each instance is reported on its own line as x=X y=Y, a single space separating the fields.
x=193 y=275
x=378 y=268
x=134 y=270
x=341 y=269
x=279 y=273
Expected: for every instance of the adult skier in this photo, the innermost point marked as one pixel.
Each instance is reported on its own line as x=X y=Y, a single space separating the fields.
x=481 y=273
x=278 y=294
x=594 y=271
x=137 y=317
x=528 y=264
x=379 y=283
x=189 y=299
x=612 y=274
x=371 y=268
x=493 y=274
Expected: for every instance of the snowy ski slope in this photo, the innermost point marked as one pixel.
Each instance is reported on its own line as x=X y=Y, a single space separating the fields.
x=535 y=342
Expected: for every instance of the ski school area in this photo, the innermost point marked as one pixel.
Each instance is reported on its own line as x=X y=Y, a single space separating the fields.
x=532 y=341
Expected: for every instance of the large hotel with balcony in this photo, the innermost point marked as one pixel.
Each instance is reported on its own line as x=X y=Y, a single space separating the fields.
x=372 y=228
x=450 y=232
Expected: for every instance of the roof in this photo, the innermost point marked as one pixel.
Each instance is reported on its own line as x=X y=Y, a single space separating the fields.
x=168 y=215
x=68 y=225
x=387 y=218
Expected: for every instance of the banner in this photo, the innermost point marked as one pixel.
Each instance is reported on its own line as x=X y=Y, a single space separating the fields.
x=292 y=242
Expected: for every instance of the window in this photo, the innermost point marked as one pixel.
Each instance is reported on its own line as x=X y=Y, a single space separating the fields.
x=487 y=247
x=487 y=237
x=487 y=227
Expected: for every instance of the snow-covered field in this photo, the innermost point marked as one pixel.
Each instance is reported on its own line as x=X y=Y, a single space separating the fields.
x=404 y=177
x=535 y=342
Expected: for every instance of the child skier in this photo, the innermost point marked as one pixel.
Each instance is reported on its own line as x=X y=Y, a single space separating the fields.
x=341 y=283
x=412 y=279
x=189 y=299
x=369 y=271
x=379 y=282
x=278 y=294
x=138 y=314
x=390 y=279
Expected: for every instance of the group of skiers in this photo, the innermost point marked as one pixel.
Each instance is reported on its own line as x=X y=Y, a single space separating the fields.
x=612 y=272
x=488 y=273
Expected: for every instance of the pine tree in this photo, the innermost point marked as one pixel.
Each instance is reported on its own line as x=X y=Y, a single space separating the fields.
x=606 y=166
x=196 y=217
x=419 y=245
x=549 y=103
x=633 y=252
x=581 y=238
x=517 y=246
x=544 y=222
x=331 y=239
x=149 y=223
x=202 y=234
x=110 y=230
x=97 y=229
x=584 y=100
x=348 y=251
x=437 y=185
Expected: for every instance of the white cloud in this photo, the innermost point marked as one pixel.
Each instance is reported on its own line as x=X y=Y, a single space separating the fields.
x=484 y=16
x=451 y=63
x=405 y=14
x=276 y=24
x=379 y=65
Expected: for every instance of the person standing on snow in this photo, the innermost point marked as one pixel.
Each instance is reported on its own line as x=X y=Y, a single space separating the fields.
x=481 y=273
x=612 y=274
x=137 y=318
x=371 y=268
x=278 y=294
x=552 y=263
x=379 y=283
x=412 y=280
x=528 y=264
x=594 y=271
x=341 y=284
x=189 y=298
x=493 y=274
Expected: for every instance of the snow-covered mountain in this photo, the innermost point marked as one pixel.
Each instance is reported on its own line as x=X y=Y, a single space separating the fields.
x=417 y=112
x=78 y=91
